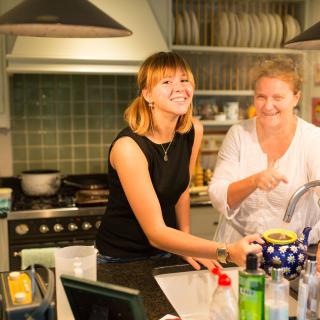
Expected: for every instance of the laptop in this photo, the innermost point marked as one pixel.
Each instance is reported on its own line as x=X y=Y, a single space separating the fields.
x=94 y=300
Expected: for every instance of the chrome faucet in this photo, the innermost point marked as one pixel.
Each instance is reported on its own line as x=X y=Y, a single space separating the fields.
x=295 y=198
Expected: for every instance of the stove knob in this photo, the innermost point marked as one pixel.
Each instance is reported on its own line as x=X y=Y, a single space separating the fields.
x=72 y=227
x=43 y=228
x=97 y=224
x=58 y=227
x=22 y=229
x=86 y=226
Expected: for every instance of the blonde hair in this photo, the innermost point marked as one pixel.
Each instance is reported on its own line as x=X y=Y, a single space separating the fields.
x=161 y=64
x=284 y=69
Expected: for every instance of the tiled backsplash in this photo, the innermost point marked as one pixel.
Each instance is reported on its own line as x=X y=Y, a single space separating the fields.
x=67 y=122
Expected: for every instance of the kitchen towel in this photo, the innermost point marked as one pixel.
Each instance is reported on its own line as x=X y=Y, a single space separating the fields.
x=44 y=256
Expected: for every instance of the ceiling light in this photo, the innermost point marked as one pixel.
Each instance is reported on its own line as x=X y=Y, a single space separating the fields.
x=60 y=19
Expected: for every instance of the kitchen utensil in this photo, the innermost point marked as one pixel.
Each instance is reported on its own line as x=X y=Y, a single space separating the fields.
x=40 y=182
x=80 y=261
x=84 y=197
x=90 y=182
x=283 y=245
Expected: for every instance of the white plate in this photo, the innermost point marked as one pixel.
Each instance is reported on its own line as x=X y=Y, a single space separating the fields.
x=257 y=33
x=223 y=30
x=245 y=29
x=289 y=27
x=232 y=30
x=279 y=30
x=195 y=35
x=265 y=30
x=187 y=27
x=179 y=29
x=297 y=25
x=273 y=31
x=239 y=33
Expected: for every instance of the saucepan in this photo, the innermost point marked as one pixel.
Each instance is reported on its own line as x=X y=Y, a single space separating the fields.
x=88 y=182
x=44 y=182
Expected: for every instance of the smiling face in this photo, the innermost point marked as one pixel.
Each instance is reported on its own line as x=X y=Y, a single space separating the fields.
x=274 y=100
x=172 y=93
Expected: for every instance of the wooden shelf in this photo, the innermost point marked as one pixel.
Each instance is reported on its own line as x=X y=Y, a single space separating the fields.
x=248 y=50
x=218 y=123
x=224 y=93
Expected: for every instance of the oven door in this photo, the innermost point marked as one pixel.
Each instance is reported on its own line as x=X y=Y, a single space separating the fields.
x=15 y=250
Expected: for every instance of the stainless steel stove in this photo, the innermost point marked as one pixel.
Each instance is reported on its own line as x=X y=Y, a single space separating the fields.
x=40 y=222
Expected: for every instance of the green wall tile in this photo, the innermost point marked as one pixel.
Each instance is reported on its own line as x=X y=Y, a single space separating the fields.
x=34 y=139
x=67 y=121
x=80 y=138
x=34 y=153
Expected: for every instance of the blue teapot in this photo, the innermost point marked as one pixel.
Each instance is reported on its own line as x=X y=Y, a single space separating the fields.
x=282 y=245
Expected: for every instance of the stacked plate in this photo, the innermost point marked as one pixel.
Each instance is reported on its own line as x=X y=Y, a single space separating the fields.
x=186 y=29
x=263 y=30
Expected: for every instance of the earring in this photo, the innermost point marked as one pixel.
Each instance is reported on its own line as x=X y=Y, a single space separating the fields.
x=151 y=105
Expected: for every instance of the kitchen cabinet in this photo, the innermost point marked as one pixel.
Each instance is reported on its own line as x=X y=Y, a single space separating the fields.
x=203 y=221
x=4 y=91
x=222 y=40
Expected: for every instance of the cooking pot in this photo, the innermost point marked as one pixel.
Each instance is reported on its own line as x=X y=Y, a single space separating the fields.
x=284 y=246
x=40 y=182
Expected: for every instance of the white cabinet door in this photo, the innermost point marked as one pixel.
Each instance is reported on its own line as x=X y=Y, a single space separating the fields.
x=4 y=94
x=204 y=221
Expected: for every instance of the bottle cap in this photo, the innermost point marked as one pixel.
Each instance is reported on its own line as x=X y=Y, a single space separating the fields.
x=276 y=272
x=224 y=280
x=216 y=271
x=252 y=262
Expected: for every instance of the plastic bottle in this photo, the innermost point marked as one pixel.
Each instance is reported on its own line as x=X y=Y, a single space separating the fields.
x=223 y=304
x=277 y=295
x=308 y=294
x=251 y=290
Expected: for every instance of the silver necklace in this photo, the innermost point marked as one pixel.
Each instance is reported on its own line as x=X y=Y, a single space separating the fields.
x=165 y=156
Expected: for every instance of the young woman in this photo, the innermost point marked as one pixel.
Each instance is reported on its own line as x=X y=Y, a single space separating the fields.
x=150 y=166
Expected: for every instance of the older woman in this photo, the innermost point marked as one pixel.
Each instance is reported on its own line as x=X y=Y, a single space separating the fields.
x=150 y=165
x=264 y=160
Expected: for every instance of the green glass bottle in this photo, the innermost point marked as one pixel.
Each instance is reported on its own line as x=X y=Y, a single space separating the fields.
x=251 y=290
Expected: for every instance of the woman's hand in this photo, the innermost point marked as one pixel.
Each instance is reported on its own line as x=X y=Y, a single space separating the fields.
x=208 y=263
x=238 y=250
x=268 y=179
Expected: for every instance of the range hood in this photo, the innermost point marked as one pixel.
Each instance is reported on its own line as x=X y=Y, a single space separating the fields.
x=98 y=55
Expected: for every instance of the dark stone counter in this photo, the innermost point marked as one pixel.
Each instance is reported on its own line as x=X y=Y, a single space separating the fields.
x=139 y=275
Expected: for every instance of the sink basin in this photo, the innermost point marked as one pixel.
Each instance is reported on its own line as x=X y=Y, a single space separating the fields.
x=190 y=291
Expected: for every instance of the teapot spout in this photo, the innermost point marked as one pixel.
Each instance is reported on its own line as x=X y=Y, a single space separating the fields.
x=305 y=235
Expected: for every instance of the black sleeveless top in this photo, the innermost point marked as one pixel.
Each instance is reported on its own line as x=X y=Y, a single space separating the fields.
x=120 y=235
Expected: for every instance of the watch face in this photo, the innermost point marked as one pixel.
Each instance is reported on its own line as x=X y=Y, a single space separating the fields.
x=222 y=254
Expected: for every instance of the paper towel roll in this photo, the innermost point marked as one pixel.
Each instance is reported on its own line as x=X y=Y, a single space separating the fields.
x=44 y=256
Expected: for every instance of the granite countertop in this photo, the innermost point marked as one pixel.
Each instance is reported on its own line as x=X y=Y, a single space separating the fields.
x=139 y=275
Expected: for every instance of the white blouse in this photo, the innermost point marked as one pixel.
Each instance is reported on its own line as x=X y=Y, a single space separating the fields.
x=241 y=156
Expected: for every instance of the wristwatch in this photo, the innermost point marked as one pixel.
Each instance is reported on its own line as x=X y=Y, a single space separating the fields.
x=223 y=255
